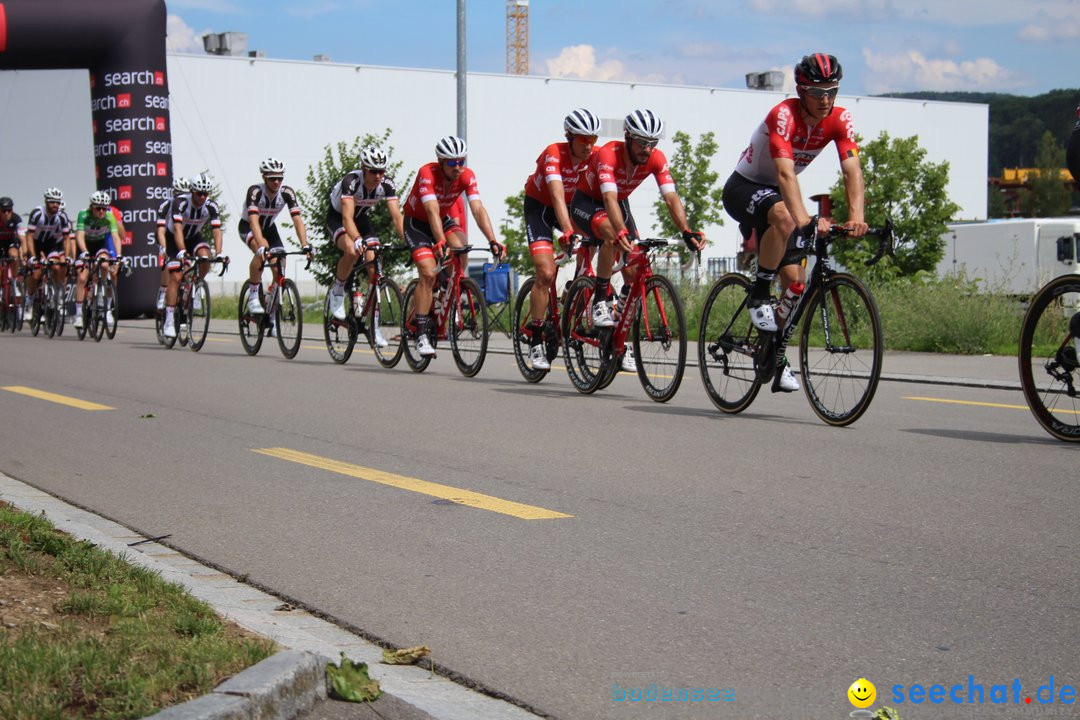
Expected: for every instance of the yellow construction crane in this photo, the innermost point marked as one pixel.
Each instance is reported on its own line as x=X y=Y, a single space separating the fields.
x=517 y=37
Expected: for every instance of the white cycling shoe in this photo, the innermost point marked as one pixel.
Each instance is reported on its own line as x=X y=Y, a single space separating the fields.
x=538 y=358
x=762 y=315
x=380 y=341
x=337 y=305
x=601 y=315
x=629 y=364
x=788 y=381
x=423 y=347
x=254 y=306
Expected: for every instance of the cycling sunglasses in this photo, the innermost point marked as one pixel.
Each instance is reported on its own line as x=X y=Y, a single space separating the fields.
x=460 y=162
x=818 y=93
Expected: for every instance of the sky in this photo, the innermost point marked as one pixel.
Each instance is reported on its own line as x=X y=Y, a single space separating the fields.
x=1025 y=47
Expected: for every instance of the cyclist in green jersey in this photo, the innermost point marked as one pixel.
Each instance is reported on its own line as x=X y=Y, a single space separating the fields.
x=96 y=234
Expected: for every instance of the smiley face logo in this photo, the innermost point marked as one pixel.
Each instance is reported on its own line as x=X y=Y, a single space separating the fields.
x=862 y=693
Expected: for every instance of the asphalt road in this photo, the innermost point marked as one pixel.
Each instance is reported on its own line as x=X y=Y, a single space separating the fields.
x=766 y=555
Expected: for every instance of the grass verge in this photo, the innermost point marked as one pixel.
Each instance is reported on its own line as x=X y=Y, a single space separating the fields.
x=84 y=634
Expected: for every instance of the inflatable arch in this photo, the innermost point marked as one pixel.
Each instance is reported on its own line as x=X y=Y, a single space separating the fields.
x=122 y=45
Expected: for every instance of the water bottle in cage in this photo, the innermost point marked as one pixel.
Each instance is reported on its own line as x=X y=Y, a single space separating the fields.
x=358 y=302
x=790 y=297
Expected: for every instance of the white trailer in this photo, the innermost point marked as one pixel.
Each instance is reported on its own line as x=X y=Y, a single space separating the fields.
x=1013 y=256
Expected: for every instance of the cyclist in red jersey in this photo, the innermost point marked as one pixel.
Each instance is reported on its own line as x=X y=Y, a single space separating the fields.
x=600 y=207
x=548 y=192
x=429 y=226
x=763 y=193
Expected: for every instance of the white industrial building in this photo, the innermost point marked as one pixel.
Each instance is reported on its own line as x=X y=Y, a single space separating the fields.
x=227 y=113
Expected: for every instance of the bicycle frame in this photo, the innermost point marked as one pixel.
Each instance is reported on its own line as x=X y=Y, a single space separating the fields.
x=583 y=255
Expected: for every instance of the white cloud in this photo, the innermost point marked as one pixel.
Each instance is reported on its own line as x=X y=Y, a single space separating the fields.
x=180 y=37
x=1044 y=29
x=911 y=70
x=579 y=61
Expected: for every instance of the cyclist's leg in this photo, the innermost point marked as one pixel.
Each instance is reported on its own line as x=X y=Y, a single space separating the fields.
x=629 y=273
x=590 y=217
x=420 y=240
x=203 y=250
x=540 y=227
x=258 y=249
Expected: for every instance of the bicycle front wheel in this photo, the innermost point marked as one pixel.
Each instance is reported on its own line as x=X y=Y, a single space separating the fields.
x=840 y=350
x=1049 y=367
x=415 y=361
x=384 y=323
x=54 y=311
x=95 y=313
x=290 y=319
x=110 y=306
x=468 y=328
x=198 y=314
x=340 y=335
x=38 y=309
x=251 y=326
x=660 y=339
x=728 y=344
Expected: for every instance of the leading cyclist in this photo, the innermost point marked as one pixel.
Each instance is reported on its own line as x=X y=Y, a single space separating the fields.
x=764 y=192
x=96 y=233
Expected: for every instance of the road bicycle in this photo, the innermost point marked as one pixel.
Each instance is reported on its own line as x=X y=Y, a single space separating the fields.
x=650 y=318
x=99 y=298
x=1049 y=366
x=47 y=304
x=284 y=314
x=840 y=343
x=369 y=304
x=459 y=314
x=12 y=289
x=192 y=315
x=582 y=251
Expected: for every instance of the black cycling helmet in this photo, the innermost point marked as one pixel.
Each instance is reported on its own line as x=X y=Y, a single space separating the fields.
x=818 y=68
x=6 y=203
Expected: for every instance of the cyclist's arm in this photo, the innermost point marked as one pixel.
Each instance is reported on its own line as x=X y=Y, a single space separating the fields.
x=348 y=210
x=301 y=230
x=80 y=241
x=256 y=227
x=431 y=207
x=614 y=212
x=178 y=235
x=394 y=207
x=855 y=189
x=480 y=213
x=558 y=204
x=118 y=233
x=29 y=238
x=216 y=234
x=70 y=248
x=788 y=183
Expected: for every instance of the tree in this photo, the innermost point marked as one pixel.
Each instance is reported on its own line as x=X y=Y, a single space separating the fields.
x=903 y=186
x=515 y=237
x=315 y=201
x=698 y=186
x=1049 y=196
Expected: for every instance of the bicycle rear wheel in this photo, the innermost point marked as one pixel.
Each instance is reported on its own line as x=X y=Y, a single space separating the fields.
x=659 y=334
x=581 y=341
x=198 y=314
x=340 y=335
x=290 y=319
x=252 y=327
x=468 y=328
x=384 y=314
x=840 y=350
x=415 y=361
x=1049 y=367
x=522 y=332
x=728 y=344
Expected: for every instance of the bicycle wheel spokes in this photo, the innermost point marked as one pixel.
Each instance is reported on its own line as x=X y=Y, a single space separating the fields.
x=728 y=344
x=581 y=341
x=660 y=339
x=384 y=314
x=1049 y=368
x=340 y=335
x=251 y=326
x=468 y=328
x=198 y=314
x=290 y=319
x=840 y=350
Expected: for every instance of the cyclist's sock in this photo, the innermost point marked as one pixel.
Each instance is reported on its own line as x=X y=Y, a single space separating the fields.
x=623 y=294
x=169 y=310
x=339 y=287
x=763 y=283
x=537 y=333
x=603 y=289
x=422 y=322
x=253 y=289
x=78 y=308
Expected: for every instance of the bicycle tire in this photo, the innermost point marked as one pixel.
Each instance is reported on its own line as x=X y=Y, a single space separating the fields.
x=659 y=336
x=840 y=350
x=290 y=319
x=415 y=361
x=198 y=320
x=20 y=297
x=728 y=346
x=252 y=327
x=468 y=328
x=87 y=317
x=37 y=308
x=183 y=328
x=1048 y=358
x=340 y=335
x=384 y=312
x=54 y=309
x=97 y=312
x=7 y=307
x=110 y=304
x=522 y=332
x=581 y=341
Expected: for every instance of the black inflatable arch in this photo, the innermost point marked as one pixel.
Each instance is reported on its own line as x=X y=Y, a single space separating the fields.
x=122 y=44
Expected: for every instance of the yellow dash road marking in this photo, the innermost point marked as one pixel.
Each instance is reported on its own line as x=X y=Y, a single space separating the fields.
x=985 y=404
x=445 y=492
x=53 y=397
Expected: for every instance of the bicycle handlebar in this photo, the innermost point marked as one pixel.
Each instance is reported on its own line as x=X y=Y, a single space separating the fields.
x=884 y=234
x=223 y=259
x=282 y=252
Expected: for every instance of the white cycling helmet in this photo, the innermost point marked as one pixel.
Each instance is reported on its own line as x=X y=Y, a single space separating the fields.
x=53 y=194
x=644 y=125
x=451 y=147
x=100 y=198
x=581 y=122
x=272 y=166
x=181 y=184
x=374 y=158
x=201 y=183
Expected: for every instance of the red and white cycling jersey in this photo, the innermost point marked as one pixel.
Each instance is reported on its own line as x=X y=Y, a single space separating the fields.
x=784 y=134
x=431 y=184
x=606 y=172
x=555 y=163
